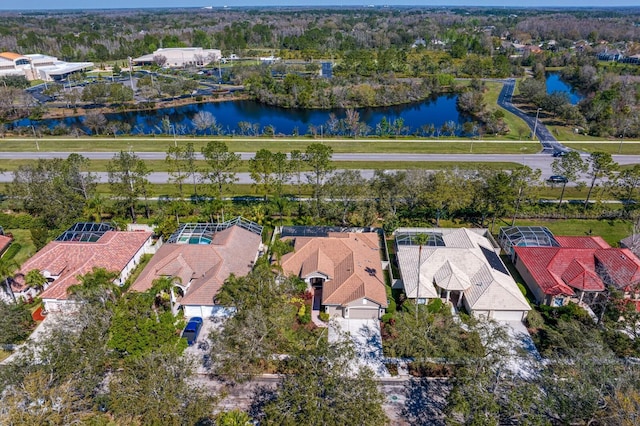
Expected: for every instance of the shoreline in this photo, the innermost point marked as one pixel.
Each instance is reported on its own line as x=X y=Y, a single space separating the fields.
x=64 y=112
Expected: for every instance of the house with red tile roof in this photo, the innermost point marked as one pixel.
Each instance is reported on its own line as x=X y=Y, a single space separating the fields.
x=344 y=270
x=199 y=258
x=461 y=266
x=77 y=252
x=5 y=242
x=578 y=270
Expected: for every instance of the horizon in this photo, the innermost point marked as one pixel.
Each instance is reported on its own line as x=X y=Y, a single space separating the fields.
x=80 y=5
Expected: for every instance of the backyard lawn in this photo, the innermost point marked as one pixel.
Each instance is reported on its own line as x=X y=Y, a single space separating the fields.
x=22 y=238
x=612 y=231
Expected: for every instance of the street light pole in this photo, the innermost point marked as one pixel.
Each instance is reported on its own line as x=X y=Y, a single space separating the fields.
x=35 y=137
x=175 y=142
x=621 y=139
x=535 y=125
x=130 y=77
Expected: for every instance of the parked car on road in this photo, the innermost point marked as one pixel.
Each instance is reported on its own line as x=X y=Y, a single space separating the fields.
x=192 y=329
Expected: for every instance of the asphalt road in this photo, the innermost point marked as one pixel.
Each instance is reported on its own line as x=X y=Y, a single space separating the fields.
x=535 y=161
x=547 y=140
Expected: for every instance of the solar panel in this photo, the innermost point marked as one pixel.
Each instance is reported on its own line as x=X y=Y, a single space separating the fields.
x=319 y=231
x=494 y=260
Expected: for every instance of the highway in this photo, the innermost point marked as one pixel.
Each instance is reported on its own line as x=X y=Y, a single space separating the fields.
x=535 y=161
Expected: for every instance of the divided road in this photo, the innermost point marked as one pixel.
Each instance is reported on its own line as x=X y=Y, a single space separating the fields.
x=535 y=161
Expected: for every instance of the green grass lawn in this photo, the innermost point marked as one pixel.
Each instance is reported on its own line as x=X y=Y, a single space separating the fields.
x=518 y=129
x=171 y=190
x=373 y=145
x=23 y=238
x=566 y=133
x=611 y=231
x=613 y=147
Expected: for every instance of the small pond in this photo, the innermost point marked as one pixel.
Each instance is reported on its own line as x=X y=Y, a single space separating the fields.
x=556 y=84
x=435 y=111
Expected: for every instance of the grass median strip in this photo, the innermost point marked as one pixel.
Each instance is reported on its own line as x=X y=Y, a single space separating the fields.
x=160 y=144
x=612 y=147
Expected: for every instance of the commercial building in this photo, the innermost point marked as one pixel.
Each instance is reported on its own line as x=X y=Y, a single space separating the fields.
x=180 y=57
x=39 y=67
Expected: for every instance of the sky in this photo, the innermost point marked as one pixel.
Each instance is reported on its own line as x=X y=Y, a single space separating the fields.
x=114 y=4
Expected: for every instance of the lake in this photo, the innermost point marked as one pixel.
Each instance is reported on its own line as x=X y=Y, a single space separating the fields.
x=556 y=84
x=436 y=110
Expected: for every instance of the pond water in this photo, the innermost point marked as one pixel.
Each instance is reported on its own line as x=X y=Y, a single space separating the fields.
x=556 y=84
x=436 y=111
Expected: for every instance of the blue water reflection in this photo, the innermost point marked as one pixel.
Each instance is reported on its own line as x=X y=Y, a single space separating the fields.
x=556 y=84
x=435 y=111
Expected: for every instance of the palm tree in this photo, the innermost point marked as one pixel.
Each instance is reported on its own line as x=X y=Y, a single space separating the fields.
x=421 y=240
x=35 y=279
x=98 y=286
x=7 y=268
x=164 y=286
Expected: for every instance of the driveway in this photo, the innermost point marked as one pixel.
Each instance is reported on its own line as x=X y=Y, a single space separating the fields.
x=525 y=356
x=367 y=341
x=200 y=349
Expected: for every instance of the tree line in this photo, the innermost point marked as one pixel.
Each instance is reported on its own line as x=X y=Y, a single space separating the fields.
x=58 y=192
x=100 y=36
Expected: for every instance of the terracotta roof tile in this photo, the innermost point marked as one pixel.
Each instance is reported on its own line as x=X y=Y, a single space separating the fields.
x=69 y=259
x=582 y=242
x=354 y=260
x=536 y=260
x=581 y=277
x=203 y=267
x=622 y=266
x=5 y=242
x=554 y=268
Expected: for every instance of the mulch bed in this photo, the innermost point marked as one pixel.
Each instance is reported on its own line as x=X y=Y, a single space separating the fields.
x=37 y=315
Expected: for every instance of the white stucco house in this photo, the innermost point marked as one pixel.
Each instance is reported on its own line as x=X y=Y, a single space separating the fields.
x=461 y=266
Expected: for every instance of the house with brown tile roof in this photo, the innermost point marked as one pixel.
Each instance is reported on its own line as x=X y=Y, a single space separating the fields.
x=199 y=262
x=78 y=253
x=460 y=266
x=579 y=270
x=344 y=270
x=5 y=242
